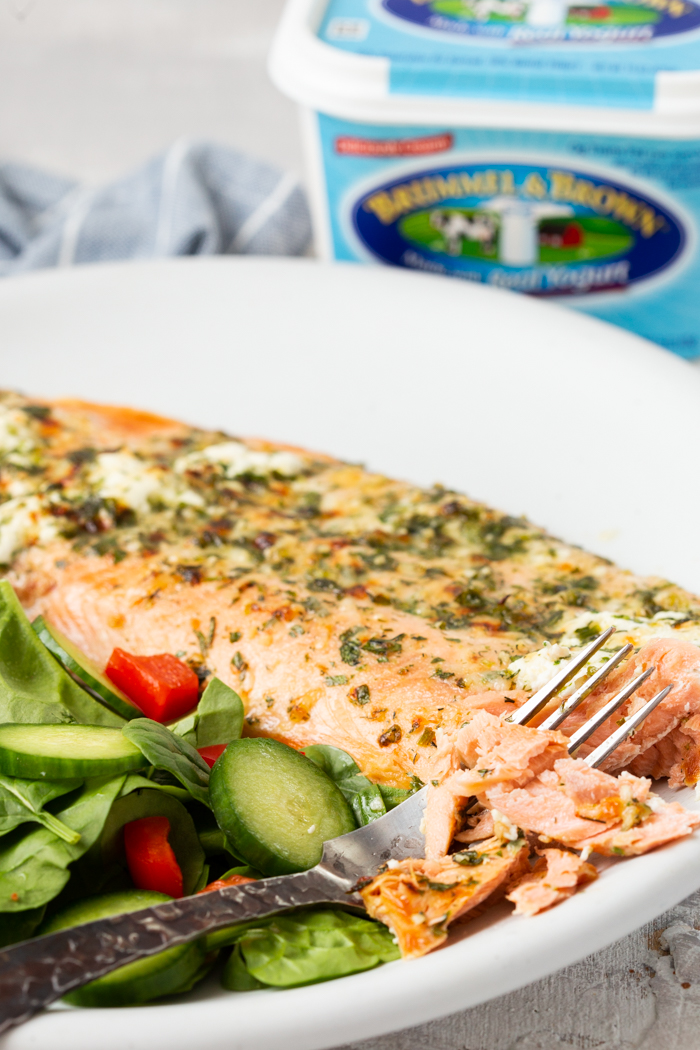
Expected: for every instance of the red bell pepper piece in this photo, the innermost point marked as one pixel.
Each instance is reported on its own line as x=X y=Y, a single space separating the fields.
x=163 y=687
x=211 y=753
x=150 y=858
x=232 y=880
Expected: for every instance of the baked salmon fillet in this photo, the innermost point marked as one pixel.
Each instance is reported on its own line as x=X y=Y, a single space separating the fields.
x=345 y=608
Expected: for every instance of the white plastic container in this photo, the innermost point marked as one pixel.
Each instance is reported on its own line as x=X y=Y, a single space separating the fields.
x=547 y=146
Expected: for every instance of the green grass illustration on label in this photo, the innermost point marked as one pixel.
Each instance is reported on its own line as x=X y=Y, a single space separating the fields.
x=560 y=240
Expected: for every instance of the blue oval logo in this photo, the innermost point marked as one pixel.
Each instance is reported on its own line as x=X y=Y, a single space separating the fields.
x=540 y=229
x=552 y=21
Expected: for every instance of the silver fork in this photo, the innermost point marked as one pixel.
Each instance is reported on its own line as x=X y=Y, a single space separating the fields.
x=541 y=698
x=35 y=973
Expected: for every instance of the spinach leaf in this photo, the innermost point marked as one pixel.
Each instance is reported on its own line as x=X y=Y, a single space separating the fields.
x=135 y=781
x=182 y=837
x=186 y=728
x=34 y=865
x=235 y=977
x=23 y=801
x=166 y=750
x=213 y=841
x=219 y=715
x=211 y=837
x=33 y=686
x=217 y=720
x=317 y=945
x=242 y=869
x=203 y=880
x=19 y=925
x=395 y=796
x=364 y=796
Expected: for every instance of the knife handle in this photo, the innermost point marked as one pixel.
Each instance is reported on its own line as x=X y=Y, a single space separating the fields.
x=35 y=973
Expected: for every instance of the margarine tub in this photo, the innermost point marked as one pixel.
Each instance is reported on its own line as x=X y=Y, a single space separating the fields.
x=551 y=147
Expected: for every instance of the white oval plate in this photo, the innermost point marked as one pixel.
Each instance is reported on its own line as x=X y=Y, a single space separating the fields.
x=587 y=429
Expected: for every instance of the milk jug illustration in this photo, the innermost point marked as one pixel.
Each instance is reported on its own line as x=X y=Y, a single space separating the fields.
x=519 y=237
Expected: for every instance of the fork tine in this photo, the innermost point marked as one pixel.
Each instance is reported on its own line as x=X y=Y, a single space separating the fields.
x=598 y=756
x=565 y=709
x=589 y=727
x=564 y=675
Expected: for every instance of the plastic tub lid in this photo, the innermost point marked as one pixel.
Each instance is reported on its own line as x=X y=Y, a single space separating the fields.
x=631 y=66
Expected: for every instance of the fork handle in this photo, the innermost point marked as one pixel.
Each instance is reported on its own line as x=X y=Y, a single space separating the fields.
x=35 y=973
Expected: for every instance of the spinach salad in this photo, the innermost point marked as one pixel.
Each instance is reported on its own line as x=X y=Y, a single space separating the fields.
x=105 y=811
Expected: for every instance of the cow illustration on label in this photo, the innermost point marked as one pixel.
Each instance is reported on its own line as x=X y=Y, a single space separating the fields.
x=551 y=21
x=533 y=228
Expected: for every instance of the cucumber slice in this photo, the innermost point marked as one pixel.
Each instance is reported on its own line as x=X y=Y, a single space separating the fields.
x=275 y=806
x=137 y=982
x=87 y=673
x=61 y=752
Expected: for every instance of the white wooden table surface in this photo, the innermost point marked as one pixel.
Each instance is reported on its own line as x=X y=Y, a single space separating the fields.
x=91 y=88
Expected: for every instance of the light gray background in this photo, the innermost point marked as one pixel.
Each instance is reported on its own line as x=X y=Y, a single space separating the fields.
x=90 y=88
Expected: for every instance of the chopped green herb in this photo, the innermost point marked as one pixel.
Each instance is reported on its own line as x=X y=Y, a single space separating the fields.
x=205 y=640
x=349 y=647
x=392 y=736
x=440 y=886
x=191 y=574
x=468 y=857
x=323 y=584
x=587 y=633
x=383 y=647
x=359 y=695
x=238 y=662
x=40 y=412
x=79 y=456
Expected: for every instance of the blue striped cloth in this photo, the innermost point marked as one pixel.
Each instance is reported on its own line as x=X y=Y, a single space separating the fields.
x=196 y=199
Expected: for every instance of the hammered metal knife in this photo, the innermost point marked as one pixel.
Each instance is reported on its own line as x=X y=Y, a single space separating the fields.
x=35 y=973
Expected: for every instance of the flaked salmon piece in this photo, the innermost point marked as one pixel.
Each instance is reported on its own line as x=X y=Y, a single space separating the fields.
x=590 y=789
x=419 y=899
x=670 y=821
x=556 y=875
x=440 y=822
x=677 y=663
x=496 y=751
x=676 y=755
x=543 y=809
x=480 y=826
x=607 y=816
x=525 y=777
